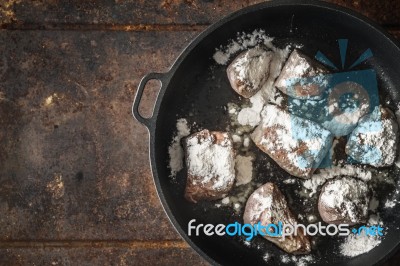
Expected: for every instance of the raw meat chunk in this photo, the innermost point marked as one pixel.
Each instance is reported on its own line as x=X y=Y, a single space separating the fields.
x=210 y=164
x=302 y=77
x=267 y=205
x=297 y=145
x=344 y=200
x=374 y=140
x=249 y=71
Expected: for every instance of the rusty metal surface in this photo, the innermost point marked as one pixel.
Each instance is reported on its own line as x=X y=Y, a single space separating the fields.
x=73 y=162
x=105 y=256
x=75 y=181
x=137 y=12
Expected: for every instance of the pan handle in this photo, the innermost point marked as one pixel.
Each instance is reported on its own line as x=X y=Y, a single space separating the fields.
x=138 y=97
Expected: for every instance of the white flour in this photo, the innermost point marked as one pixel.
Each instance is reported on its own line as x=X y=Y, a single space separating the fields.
x=373 y=204
x=298 y=73
x=324 y=174
x=239 y=198
x=225 y=201
x=236 y=138
x=397 y=163
x=375 y=219
x=348 y=195
x=355 y=245
x=390 y=203
x=246 y=142
x=210 y=160
x=263 y=202
x=267 y=257
x=298 y=260
x=252 y=68
x=374 y=140
x=303 y=260
x=299 y=66
x=311 y=218
x=175 y=150
x=251 y=115
x=285 y=259
x=334 y=143
x=244 y=169
x=288 y=133
x=289 y=181
x=242 y=42
x=345 y=119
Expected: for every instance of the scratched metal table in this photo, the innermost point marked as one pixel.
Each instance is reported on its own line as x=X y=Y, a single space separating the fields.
x=75 y=182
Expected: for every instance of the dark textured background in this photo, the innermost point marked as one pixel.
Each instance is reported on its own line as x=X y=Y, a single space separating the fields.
x=75 y=182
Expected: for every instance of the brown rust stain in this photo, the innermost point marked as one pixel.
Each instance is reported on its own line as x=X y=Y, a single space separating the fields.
x=133 y=244
x=65 y=13
x=105 y=27
x=56 y=187
x=115 y=185
x=7 y=14
x=170 y=4
x=2 y=96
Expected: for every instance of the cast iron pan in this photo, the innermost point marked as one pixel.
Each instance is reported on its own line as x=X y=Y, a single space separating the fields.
x=196 y=84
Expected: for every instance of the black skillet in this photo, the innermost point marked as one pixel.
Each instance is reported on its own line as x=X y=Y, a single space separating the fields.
x=196 y=84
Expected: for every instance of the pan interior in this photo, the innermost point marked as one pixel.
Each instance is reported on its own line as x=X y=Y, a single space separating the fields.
x=200 y=87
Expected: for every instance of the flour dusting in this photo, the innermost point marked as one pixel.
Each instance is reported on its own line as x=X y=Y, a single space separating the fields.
x=320 y=178
x=244 y=169
x=355 y=245
x=175 y=150
x=242 y=42
x=211 y=159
